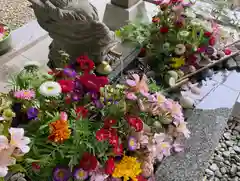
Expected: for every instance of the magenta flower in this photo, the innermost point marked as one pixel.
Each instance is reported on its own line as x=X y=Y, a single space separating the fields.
x=131 y=96
x=24 y=94
x=80 y=174
x=132 y=143
x=61 y=173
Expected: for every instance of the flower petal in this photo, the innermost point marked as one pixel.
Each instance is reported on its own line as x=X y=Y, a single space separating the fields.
x=136 y=77
x=3 y=142
x=131 y=83
x=3 y=171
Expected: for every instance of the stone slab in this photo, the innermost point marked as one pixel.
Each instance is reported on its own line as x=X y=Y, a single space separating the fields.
x=220 y=97
x=27 y=34
x=123 y=16
x=206 y=128
x=233 y=81
x=39 y=52
x=124 y=3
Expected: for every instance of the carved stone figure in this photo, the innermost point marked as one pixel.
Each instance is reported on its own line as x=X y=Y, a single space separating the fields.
x=75 y=29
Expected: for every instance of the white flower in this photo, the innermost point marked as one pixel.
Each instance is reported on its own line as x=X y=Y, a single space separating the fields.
x=166 y=46
x=180 y=49
x=3 y=142
x=50 y=89
x=196 y=22
x=6 y=160
x=184 y=33
x=19 y=140
x=31 y=64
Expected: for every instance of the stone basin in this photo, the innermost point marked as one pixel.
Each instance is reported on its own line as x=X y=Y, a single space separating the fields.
x=5 y=44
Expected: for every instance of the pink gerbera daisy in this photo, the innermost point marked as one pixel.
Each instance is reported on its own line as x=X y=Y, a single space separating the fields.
x=24 y=94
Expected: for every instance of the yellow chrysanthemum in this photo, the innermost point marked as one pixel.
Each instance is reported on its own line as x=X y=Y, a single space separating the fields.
x=128 y=168
x=177 y=62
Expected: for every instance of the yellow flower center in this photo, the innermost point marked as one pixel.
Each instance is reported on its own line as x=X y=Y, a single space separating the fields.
x=60 y=174
x=50 y=88
x=132 y=143
x=26 y=93
x=164 y=145
x=81 y=174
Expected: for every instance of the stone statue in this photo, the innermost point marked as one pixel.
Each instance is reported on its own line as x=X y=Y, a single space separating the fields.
x=75 y=29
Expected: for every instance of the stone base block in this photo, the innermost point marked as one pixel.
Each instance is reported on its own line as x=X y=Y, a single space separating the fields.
x=236 y=110
x=116 y=17
x=124 y=3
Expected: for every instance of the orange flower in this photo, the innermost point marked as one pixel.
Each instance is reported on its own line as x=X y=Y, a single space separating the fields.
x=59 y=131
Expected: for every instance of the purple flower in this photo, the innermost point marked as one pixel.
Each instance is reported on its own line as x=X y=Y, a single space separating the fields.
x=69 y=72
x=61 y=173
x=32 y=113
x=80 y=174
x=98 y=104
x=132 y=143
x=75 y=96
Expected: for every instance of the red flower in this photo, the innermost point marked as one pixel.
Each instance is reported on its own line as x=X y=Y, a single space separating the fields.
x=135 y=122
x=109 y=123
x=102 y=134
x=35 y=166
x=85 y=63
x=93 y=82
x=141 y=178
x=207 y=34
x=114 y=140
x=212 y=41
x=109 y=166
x=68 y=99
x=227 y=51
x=155 y=20
x=164 y=29
x=55 y=73
x=81 y=111
x=66 y=85
x=176 y=1
x=118 y=150
x=88 y=162
x=112 y=132
x=142 y=52
x=1 y=29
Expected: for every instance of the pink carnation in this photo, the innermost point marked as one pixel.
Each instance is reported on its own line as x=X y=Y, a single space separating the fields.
x=24 y=94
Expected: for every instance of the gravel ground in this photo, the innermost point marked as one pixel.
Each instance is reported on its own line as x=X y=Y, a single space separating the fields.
x=15 y=13
x=225 y=163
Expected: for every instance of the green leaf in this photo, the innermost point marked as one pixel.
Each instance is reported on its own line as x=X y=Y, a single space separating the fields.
x=17 y=168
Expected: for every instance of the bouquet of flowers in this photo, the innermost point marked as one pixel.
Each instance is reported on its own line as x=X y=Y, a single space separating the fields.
x=69 y=124
x=4 y=31
x=178 y=43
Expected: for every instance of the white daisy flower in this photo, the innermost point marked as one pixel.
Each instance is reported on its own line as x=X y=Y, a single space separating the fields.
x=50 y=89
x=180 y=49
x=184 y=33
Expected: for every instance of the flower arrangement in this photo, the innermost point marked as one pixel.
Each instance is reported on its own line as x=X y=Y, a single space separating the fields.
x=4 y=31
x=79 y=127
x=178 y=42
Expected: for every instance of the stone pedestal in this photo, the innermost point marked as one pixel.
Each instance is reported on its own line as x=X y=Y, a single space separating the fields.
x=119 y=12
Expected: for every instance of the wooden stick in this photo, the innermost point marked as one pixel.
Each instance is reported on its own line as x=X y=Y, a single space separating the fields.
x=228 y=45
x=209 y=65
x=178 y=84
